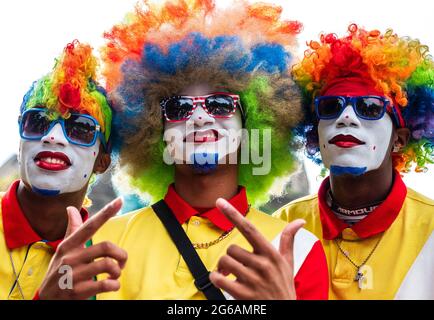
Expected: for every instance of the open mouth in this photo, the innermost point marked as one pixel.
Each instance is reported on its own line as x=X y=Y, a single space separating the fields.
x=53 y=161
x=203 y=136
x=346 y=141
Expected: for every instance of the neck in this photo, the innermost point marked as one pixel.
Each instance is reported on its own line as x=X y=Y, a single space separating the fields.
x=202 y=190
x=47 y=214
x=357 y=191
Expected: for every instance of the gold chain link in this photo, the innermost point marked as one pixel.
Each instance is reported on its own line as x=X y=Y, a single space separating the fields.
x=224 y=235
x=206 y=245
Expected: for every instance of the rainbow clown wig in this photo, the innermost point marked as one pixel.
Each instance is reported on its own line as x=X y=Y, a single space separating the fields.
x=71 y=87
x=162 y=48
x=399 y=67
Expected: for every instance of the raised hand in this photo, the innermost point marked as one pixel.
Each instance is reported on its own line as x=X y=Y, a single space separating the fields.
x=265 y=273
x=85 y=263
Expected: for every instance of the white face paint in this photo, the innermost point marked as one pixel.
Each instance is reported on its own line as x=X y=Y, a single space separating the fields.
x=212 y=138
x=350 y=145
x=53 y=166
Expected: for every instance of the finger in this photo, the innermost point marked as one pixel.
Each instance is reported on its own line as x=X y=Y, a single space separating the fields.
x=249 y=231
x=103 y=266
x=88 y=289
x=88 y=229
x=102 y=250
x=244 y=257
x=231 y=266
x=286 y=246
x=235 y=289
x=74 y=220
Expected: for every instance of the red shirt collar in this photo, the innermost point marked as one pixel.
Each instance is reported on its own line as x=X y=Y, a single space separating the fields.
x=17 y=230
x=183 y=211
x=376 y=222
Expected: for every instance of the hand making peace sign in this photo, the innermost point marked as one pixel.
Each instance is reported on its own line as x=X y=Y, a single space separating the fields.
x=82 y=261
x=265 y=273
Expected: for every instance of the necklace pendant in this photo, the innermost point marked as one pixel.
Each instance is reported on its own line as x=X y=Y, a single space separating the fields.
x=360 y=279
x=362 y=284
x=359 y=275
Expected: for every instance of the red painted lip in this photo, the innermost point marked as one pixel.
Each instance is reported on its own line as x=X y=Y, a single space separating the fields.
x=199 y=138
x=52 y=166
x=346 y=141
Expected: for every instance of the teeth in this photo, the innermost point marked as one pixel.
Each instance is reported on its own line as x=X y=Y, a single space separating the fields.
x=205 y=135
x=54 y=161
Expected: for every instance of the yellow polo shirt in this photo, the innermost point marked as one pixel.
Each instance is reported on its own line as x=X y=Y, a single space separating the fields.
x=401 y=266
x=156 y=270
x=22 y=249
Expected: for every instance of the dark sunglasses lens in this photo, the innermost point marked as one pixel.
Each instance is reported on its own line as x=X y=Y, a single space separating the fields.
x=330 y=107
x=79 y=129
x=370 y=107
x=35 y=124
x=220 y=105
x=178 y=108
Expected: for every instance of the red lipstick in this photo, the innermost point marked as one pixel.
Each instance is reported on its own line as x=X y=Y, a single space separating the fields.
x=52 y=161
x=346 y=141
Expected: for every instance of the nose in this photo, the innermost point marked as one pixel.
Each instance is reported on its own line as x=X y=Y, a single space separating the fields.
x=200 y=117
x=55 y=136
x=348 y=118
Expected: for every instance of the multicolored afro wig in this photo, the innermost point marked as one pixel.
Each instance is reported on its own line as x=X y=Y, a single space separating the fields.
x=162 y=48
x=399 y=67
x=71 y=87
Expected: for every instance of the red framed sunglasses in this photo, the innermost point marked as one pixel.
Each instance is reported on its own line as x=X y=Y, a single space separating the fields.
x=217 y=105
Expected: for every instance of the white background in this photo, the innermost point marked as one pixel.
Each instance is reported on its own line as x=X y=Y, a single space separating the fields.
x=33 y=33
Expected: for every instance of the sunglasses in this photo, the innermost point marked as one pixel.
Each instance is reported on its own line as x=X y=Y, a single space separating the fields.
x=79 y=129
x=217 y=105
x=365 y=107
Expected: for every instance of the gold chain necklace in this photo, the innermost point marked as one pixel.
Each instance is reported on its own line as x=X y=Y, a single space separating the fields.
x=206 y=245
x=224 y=235
x=359 y=277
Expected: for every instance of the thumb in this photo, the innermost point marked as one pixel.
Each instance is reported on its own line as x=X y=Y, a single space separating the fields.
x=286 y=247
x=74 y=221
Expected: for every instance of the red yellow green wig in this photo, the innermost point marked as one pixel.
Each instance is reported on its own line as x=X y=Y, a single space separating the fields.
x=71 y=87
x=398 y=67
x=161 y=48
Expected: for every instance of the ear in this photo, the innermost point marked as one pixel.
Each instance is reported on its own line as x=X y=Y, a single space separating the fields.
x=402 y=136
x=102 y=162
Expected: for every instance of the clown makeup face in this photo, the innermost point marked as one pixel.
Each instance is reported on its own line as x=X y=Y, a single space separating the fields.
x=203 y=140
x=53 y=166
x=351 y=145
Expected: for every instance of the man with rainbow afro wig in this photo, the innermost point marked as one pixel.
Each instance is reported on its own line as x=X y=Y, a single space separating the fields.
x=370 y=113
x=185 y=78
x=64 y=124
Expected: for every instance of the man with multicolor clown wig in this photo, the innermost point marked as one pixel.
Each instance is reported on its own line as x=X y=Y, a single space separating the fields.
x=64 y=125
x=370 y=107
x=188 y=72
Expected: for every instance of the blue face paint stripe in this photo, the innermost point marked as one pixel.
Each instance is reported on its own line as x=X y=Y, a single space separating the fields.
x=355 y=171
x=44 y=192
x=204 y=162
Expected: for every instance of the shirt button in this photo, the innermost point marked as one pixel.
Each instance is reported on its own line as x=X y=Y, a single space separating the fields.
x=349 y=234
x=196 y=222
x=30 y=271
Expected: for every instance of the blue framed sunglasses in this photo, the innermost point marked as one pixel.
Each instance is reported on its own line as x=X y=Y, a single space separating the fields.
x=365 y=107
x=79 y=129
